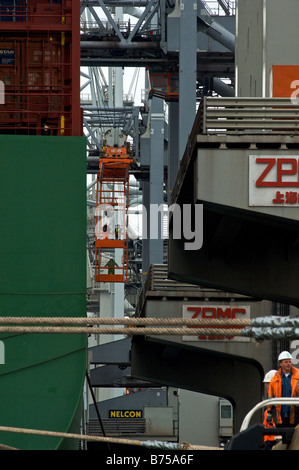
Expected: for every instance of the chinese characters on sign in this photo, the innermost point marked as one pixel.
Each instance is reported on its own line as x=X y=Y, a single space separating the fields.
x=274 y=180
x=289 y=197
x=218 y=312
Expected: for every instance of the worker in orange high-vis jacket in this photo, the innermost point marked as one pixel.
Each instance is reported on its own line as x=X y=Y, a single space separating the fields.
x=285 y=383
x=269 y=440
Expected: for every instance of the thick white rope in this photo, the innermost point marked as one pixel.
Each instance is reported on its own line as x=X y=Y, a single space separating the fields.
x=289 y=326
x=191 y=326
x=112 y=440
x=119 y=331
x=124 y=321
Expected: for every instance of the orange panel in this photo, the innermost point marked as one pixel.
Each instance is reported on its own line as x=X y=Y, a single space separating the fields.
x=114 y=168
x=283 y=80
x=110 y=243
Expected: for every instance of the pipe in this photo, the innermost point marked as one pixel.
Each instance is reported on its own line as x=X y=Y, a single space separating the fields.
x=91 y=185
x=108 y=109
x=222 y=88
x=91 y=203
x=119 y=45
x=221 y=35
x=209 y=26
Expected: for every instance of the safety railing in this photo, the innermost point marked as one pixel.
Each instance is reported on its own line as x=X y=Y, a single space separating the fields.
x=265 y=403
x=42 y=13
x=220 y=7
x=103 y=27
x=248 y=116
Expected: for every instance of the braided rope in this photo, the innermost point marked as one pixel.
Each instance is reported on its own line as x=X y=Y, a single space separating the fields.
x=4 y=447
x=85 y=437
x=191 y=326
x=124 y=321
x=122 y=331
x=68 y=435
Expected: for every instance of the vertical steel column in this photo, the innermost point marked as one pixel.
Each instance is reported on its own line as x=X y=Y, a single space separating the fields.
x=118 y=298
x=187 y=55
x=145 y=185
x=156 y=180
x=173 y=146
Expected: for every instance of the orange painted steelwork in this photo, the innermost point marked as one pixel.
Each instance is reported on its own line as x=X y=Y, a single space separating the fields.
x=112 y=215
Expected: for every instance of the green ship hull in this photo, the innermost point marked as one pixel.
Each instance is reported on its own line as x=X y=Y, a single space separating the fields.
x=42 y=274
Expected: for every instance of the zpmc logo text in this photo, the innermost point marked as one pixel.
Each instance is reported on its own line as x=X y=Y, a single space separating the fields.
x=216 y=312
x=283 y=172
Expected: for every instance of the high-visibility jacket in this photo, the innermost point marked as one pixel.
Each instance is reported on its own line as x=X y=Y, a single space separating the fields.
x=267 y=425
x=275 y=391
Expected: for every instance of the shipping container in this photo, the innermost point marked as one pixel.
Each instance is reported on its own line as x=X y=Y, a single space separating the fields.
x=40 y=67
x=43 y=218
x=42 y=274
x=13 y=10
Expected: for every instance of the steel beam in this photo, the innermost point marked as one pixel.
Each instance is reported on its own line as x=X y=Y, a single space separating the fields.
x=187 y=72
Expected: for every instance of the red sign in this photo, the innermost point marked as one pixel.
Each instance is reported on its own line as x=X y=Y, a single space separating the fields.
x=218 y=312
x=284 y=167
x=274 y=180
x=215 y=312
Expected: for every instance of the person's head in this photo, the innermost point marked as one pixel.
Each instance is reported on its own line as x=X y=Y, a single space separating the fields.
x=267 y=378
x=285 y=362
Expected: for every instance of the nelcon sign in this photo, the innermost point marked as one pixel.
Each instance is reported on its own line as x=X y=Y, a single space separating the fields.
x=274 y=180
x=218 y=312
x=125 y=413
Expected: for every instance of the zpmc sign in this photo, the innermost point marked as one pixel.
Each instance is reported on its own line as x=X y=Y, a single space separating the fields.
x=217 y=312
x=274 y=180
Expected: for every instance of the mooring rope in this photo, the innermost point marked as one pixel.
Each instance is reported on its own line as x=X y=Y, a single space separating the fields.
x=124 y=321
x=257 y=328
x=269 y=321
x=112 y=440
x=133 y=326
x=120 y=331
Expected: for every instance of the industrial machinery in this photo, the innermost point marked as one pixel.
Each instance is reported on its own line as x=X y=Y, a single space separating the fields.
x=112 y=202
x=163 y=83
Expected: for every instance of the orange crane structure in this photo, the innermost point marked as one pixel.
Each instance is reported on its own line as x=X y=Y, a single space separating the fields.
x=112 y=203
